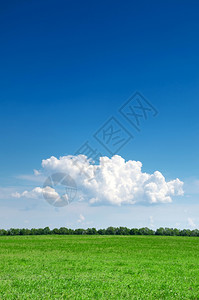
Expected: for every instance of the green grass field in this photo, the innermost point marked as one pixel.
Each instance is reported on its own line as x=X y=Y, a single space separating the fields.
x=99 y=267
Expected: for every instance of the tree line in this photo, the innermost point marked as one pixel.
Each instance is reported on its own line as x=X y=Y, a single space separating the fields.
x=93 y=231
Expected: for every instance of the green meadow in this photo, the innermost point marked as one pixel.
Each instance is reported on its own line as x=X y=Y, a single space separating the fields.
x=99 y=267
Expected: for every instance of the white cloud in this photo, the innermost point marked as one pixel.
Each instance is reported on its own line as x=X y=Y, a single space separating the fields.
x=81 y=219
x=5 y=192
x=16 y=195
x=113 y=181
x=36 y=172
x=47 y=192
x=191 y=223
x=151 y=222
x=37 y=192
x=33 y=194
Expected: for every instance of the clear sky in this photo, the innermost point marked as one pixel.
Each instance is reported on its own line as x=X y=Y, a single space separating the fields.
x=66 y=68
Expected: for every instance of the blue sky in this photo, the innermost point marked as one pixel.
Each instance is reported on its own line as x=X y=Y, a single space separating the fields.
x=66 y=68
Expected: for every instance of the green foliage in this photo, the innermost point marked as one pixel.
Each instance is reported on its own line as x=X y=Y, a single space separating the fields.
x=93 y=231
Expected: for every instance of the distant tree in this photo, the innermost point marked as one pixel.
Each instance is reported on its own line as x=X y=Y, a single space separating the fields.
x=160 y=231
x=55 y=231
x=46 y=230
x=168 y=231
x=110 y=230
x=145 y=231
x=80 y=231
x=33 y=231
x=3 y=232
x=133 y=231
x=40 y=231
x=176 y=232
x=91 y=231
x=122 y=231
x=195 y=232
x=185 y=232
x=24 y=231
x=70 y=231
x=63 y=230
x=13 y=231
x=101 y=231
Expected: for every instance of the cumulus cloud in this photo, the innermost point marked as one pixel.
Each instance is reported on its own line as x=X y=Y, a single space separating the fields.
x=81 y=219
x=47 y=192
x=191 y=223
x=113 y=181
x=36 y=192
x=5 y=192
x=36 y=172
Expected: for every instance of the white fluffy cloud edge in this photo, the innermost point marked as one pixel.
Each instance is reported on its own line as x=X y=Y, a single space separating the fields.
x=113 y=181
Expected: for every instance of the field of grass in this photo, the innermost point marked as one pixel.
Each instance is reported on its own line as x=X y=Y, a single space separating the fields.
x=99 y=267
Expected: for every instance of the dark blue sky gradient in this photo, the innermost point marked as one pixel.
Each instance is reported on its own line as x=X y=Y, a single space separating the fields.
x=67 y=66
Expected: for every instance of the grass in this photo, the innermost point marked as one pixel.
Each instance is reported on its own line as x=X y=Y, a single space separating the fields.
x=99 y=267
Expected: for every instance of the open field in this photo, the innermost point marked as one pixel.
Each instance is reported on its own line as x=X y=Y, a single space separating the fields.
x=99 y=267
